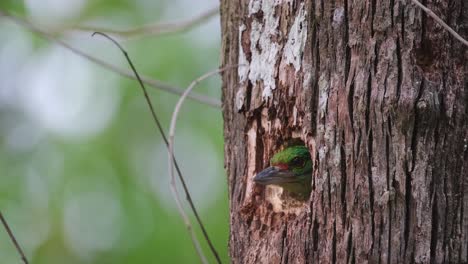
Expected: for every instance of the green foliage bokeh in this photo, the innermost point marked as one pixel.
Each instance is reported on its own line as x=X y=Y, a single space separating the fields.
x=37 y=181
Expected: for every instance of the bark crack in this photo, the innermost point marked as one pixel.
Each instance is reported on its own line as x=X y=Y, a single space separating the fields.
x=444 y=186
x=402 y=29
x=334 y=243
x=369 y=91
x=389 y=187
x=373 y=7
x=344 y=177
x=400 y=70
x=329 y=188
x=315 y=235
x=350 y=245
x=371 y=186
x=346 y=42
x=392 y=3
x=284 y=250
x=316 y=55
x=407 y=205
x=414 y=139
x=434 y=229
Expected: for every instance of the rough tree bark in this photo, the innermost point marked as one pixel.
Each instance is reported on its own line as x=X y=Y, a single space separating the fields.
x=378 y=92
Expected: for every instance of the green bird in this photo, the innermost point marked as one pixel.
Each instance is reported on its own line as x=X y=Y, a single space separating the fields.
x=291 y=169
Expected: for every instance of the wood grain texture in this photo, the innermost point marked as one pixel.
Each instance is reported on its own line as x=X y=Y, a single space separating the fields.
x=379 y=94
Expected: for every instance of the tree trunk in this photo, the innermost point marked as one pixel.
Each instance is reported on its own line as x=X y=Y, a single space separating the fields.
x=378 y=92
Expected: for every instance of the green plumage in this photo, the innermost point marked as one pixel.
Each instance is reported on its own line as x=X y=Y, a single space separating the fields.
x=300 y=154
x=291 y=169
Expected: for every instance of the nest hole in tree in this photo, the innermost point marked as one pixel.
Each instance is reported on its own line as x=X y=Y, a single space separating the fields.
x=284 y=198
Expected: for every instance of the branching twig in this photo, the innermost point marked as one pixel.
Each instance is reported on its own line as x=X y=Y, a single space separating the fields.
x=151 y=82
x=155 y=29
x=161 y=131
x=13 y=239
x=440 y=21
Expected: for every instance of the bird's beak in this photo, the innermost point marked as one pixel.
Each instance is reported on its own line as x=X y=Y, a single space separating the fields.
x=274 y=175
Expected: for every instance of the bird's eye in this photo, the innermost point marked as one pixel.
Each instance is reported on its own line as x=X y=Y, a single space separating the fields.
x=297 y=162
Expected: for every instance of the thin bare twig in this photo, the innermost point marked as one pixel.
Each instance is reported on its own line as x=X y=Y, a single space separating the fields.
x=13 y=239
x=441 y=22
x=161 y=131
x=174 y=190
x=155 y=29
x=151 y=82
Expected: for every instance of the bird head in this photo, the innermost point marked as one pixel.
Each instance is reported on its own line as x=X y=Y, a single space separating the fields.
x=290 y=168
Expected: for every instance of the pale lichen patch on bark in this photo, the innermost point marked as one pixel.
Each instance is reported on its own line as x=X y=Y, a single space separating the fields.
x=323 y=87
x=322 y=152
x=254 y=6
x=264 y=49
x=267 y=93
x=307 y=69
x=242 y=71
x=294 y=115
x=240 y=98
x=338 y=16
x=297 y=38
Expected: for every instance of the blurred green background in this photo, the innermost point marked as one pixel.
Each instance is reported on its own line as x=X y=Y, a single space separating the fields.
x=84 y=175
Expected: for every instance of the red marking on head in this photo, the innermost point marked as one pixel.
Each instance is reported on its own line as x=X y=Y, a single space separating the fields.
x=282 y=166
